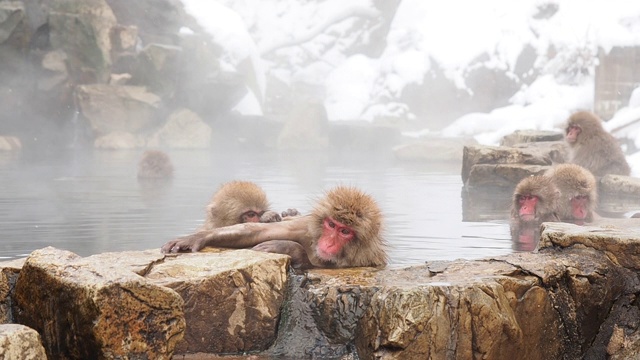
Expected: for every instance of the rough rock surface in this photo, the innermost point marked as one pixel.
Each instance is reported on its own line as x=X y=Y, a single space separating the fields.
x=18 y=342
x=89 y=310
x=495 y=155
x=530 y=136
x=232 y=299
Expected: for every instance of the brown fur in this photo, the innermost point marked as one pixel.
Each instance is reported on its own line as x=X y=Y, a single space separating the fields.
x=573 y=180
x=231 y=201
x=546 y=192
x=596 y=149
x=155 y=164
x=359 y=211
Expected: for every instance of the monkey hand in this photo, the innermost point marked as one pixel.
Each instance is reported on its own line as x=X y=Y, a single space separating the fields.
x=270 y=216
x=299 y=258
x=185 y=243
x=290 y=212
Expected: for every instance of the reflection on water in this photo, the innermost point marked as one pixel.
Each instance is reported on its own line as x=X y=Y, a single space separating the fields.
x=92 y=202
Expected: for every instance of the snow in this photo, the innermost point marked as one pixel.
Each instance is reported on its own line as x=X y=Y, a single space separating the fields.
x=451 y=33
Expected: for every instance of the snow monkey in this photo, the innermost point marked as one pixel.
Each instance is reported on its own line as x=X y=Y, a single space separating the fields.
x=155 y=164
x=238 y=202
x=343 y=230
x=535 y=200
x=578 y=192
x=592 y=147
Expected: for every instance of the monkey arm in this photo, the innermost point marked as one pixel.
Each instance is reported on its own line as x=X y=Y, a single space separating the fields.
x=243 y=235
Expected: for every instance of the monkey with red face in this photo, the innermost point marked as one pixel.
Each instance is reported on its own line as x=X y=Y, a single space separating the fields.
x=592 y=147
x=578 y=192
x=343 y=230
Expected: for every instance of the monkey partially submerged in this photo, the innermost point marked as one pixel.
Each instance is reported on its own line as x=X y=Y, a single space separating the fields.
x=343 y=230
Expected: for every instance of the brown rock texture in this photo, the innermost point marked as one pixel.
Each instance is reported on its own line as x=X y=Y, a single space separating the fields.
x=84 y=309
x=232 y=299
x=18 y=342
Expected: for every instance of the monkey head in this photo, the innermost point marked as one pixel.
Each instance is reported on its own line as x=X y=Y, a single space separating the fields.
x=346 y=228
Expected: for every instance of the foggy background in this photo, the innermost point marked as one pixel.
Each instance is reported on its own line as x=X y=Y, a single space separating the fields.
x=297 y=96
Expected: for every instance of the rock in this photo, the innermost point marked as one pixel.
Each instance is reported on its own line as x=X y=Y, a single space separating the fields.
x=124 y=38
x=118 y=140
x=491 y=308
x=18 y=342
x=433 y=149
x=232 y=299
x=618 y=239
x=475 y=155
x=82 y=29
x=528 y=136
x=307 y=128
x=620 y=185
x=8 y=277
x=84 y=309
x=501 y=175
x=183 y=130
x=10 y=143
x=56 y=64
x=12 y=18
x=112 y=108
x=119 y=79
x=558 y=150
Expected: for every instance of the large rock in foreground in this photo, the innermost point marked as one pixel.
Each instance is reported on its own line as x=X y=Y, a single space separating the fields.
x=89 y=310
x=18 y=342
x=232 y=299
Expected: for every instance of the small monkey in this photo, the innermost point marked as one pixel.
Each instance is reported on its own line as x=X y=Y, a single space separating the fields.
x=155 y=164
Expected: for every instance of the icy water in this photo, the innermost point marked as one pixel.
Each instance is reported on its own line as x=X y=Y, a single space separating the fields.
x=90 y=202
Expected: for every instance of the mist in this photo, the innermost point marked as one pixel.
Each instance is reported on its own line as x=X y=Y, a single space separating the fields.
x=296 y=96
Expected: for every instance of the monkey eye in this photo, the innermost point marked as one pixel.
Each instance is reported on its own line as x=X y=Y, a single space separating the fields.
x=345 y=231
x=581 y=197
x=331 y=224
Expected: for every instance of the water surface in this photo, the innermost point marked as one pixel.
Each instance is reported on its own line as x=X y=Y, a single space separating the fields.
x=90 y=202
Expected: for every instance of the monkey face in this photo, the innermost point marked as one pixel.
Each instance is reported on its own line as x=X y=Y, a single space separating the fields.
x=335 y=235
x=572 y=133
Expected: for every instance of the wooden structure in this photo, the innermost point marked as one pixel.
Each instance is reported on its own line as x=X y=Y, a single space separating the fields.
x=617 y=75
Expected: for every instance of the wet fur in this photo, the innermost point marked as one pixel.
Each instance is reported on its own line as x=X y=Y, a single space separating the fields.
x=359 y=211
x=596 y=149
x=546 y=192
x=155 y=164
x=233 y=199
x=573 y=180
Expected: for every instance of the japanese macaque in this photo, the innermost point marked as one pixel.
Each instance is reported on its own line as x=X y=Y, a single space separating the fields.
x=155 y=164
x=578 y=192
x=535 y=200
x=343 y=230
x=238 y=202
x=592 y=147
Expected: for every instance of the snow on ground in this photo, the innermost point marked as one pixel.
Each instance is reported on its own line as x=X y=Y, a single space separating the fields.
x=452 y=33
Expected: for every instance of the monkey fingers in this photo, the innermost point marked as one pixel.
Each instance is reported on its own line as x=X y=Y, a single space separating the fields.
x=185 y=243
x=290 y=212
x=270 y=216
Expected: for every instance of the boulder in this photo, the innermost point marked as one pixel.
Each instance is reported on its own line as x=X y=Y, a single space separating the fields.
x=433 y=149
x=85 y=309
x=82 y=29
x=118 y=140
x=232 y=299
x=529 y=136
x=307 y=128
x=494 y=155
x=8 y=277
x=12 y=19
x=18 y=342
x=620 y=185
x=183 y=130
x=501 y=175
x=112 y=108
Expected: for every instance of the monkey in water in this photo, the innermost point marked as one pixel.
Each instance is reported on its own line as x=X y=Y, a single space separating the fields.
x=578 y=192
x=155 y=164
x=592 y=147
x=343 y=230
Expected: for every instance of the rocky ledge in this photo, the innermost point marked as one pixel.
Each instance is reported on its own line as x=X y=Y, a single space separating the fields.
x=574 y=298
